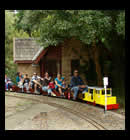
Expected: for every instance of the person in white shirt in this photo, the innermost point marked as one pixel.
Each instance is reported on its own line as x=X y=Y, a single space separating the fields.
x=35 y=81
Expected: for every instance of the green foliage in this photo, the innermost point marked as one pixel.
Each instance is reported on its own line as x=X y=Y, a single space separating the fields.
x=119 y=93
x=120 y=25
x=10 y=33
x=54 y=26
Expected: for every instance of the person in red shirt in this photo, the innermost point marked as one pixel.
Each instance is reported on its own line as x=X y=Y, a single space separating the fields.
x=51 y=86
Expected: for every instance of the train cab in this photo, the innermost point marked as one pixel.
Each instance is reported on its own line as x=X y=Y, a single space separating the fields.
x=90 y=95
x=96 y=95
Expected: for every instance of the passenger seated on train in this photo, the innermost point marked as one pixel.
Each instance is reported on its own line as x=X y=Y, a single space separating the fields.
x=26 y=82
x=19 y=80
x=19 y=77
x=51 y=86
x=58 y=82
x=77 y=84
x=35 y=82
x=8 y=83
x=45 y=84
x=64 y=86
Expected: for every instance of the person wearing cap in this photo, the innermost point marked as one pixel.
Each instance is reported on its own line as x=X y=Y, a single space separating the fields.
x=77 y=84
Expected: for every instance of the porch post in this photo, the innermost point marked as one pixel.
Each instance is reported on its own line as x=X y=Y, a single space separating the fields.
x=42 y=68
x=58 y=66
x=59 y=59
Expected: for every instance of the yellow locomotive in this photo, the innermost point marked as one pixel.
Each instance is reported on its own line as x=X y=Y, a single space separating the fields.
x=96 y=95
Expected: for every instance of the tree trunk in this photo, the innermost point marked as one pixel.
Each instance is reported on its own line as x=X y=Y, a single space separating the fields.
x=97 y=64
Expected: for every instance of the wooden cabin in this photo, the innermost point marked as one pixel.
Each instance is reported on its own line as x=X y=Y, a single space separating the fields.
x=63 y=58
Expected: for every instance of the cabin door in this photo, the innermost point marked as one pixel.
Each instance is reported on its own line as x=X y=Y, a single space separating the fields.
x=51 y=67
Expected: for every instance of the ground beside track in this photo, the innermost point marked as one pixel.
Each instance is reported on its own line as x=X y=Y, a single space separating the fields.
x=34 y=112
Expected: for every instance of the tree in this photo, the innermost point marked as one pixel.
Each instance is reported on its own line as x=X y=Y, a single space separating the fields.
x=120 y=24
x=89 y=26
x=10 y=33
x=56 y=25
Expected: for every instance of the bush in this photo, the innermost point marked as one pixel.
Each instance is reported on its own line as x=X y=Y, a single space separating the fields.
x=119 y=93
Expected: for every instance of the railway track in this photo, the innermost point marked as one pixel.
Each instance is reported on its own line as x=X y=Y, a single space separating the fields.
x=70 y=110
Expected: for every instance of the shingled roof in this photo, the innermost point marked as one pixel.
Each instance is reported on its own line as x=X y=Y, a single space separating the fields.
x=26 y=49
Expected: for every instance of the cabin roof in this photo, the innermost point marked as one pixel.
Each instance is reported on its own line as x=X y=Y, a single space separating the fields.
x=94 y=87
x=97 y=88
x=26 y=49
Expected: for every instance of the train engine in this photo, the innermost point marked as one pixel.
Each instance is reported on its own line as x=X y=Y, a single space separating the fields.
x=96 y=96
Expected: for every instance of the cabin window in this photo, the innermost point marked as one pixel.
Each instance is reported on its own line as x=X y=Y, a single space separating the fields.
x=91 y=90
x=108 y=92
x=98 y=91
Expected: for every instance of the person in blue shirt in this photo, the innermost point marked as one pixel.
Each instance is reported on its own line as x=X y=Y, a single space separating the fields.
x=58 y=82
x=19 y=78
x=77 y=84
x=64 y=86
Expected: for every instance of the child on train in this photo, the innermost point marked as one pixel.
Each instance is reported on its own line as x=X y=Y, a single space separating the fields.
x=51 y=86
x=26 y=82
x=64 y=86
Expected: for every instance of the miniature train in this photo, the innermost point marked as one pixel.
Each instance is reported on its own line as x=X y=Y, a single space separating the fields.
x=94 y=96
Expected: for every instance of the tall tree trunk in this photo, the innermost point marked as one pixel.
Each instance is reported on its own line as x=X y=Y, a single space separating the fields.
x=118 y=65
x=97 y=64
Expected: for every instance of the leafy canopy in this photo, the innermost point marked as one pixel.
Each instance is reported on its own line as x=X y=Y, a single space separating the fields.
x=53 y=26
x=10 y=33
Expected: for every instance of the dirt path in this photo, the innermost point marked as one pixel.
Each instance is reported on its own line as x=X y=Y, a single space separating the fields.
x=33 y=112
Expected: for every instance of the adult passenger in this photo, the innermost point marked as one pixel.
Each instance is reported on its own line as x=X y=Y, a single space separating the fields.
x=19 y=80
x=8 y=83
x=77 y=84
x=58 y=81
x=35 y=82
x=45 y=84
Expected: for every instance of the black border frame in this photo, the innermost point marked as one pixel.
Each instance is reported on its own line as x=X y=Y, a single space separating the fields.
x=51 y=132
